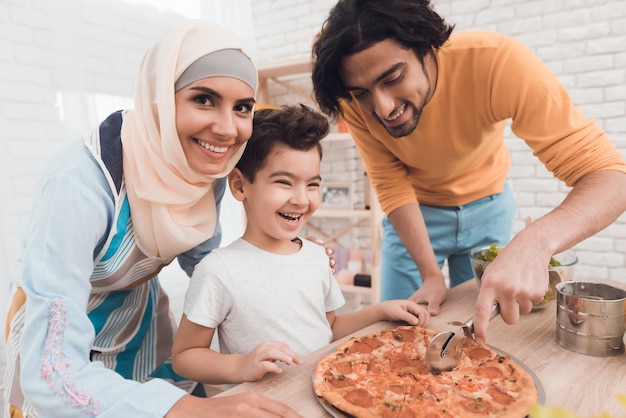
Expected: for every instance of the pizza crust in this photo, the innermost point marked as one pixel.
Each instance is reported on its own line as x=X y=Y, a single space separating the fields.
x=384 y=375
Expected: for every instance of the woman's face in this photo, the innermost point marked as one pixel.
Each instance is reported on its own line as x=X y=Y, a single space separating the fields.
x=213 y=120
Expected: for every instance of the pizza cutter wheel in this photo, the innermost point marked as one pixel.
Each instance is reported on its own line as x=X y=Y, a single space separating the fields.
x=444 y=350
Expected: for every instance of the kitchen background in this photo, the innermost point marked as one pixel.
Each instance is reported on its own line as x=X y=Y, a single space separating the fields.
x=65 y=64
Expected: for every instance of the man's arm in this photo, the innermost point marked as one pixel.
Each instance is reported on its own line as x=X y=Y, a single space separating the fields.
x=409 y=224
x=519 y=275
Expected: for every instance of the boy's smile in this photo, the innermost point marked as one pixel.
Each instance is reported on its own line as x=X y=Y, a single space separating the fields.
x=284 y=195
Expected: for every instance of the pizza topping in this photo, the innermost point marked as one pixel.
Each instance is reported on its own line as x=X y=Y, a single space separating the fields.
x=490 y=372
x=479 y=405
x=499 y=396
x=364 y=345
x=401 y=334
x=359 y=397
x=479 y=353
x=344 y=367
x=385 y=375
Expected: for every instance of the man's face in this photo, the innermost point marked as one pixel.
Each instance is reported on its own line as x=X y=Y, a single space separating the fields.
x=389 y=82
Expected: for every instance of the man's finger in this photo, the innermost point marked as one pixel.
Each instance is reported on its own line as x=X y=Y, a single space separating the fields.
x=482 y=311
x=433 y=308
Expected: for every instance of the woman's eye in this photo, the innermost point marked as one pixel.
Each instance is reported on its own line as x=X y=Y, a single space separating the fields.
x=244 y=108
x=203 y=100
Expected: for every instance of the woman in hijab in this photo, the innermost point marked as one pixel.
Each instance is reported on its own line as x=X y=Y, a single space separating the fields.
x=89 y=330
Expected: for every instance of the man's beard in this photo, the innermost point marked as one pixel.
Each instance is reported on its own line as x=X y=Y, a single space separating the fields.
x=409 y=126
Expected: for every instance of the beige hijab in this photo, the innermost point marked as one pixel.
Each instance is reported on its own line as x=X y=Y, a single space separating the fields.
x=172 y=206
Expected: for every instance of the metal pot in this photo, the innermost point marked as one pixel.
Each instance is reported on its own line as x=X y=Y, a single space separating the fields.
x=590 y=318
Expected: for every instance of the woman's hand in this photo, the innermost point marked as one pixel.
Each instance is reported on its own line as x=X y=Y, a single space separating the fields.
x=245 y=405
x=330 y=251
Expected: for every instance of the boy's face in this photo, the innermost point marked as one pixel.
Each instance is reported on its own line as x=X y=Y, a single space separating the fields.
x=284 y=195
x=390 y=83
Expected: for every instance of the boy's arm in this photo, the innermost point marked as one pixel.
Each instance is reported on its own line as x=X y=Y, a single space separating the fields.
x=193 y=358
x=391 y=310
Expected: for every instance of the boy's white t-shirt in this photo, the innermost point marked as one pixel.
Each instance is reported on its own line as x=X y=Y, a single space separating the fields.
x=251 y=296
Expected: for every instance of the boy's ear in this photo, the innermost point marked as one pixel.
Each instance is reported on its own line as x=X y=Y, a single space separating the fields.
x=236 y=182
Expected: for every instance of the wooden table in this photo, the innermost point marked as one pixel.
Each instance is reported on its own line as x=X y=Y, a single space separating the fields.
x=586 y=385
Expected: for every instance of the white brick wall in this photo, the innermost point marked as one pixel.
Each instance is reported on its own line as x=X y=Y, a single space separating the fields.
x=52 y=47
x=45 y=48
x=584 y=43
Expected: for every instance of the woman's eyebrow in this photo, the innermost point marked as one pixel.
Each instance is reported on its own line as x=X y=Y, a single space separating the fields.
x=207 y=90
x=217 y=95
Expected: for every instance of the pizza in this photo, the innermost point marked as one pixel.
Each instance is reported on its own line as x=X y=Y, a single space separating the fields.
x=384 y=375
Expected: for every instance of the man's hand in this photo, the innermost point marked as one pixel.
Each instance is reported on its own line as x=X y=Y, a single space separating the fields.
x=404 y=310
x=432 y=293
x=515 y=288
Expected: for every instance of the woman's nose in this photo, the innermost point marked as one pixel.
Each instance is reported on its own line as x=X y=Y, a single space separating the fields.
x=225 y=125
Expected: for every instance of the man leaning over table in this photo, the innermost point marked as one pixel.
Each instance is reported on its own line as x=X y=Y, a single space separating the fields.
x=427 y=110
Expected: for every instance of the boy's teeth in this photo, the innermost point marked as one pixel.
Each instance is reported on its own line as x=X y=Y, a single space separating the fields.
x=291 y=216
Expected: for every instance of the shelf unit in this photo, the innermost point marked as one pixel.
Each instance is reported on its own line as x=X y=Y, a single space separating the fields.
x=282 y=73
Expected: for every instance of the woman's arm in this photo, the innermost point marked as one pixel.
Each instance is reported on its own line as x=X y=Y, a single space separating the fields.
x=71 y=216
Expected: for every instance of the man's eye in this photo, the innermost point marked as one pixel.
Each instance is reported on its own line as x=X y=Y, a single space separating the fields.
x=395 y=80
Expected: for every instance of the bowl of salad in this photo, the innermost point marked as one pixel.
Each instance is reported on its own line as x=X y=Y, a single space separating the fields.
x=562 y=267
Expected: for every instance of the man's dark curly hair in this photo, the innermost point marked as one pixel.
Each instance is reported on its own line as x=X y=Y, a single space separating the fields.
x=299 y=127
x=355 y=25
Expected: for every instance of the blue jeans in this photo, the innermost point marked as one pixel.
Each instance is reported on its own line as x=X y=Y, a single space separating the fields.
x=453 y=232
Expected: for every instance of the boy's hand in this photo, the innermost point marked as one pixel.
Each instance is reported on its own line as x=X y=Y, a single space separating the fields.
x=261 y=360
x=404 y=310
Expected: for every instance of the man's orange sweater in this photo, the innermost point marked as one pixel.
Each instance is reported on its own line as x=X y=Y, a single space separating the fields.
x=457 y=152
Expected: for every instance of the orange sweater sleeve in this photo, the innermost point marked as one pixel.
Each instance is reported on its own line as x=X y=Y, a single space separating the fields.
x=457 y=152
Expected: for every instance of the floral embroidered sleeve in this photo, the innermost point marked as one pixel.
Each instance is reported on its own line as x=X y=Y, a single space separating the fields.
x=69 y=219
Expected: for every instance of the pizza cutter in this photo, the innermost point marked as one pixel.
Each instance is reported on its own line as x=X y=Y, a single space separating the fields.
x=444 y=350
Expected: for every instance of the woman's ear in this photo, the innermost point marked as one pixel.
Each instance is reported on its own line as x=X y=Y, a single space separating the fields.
x=236 y=181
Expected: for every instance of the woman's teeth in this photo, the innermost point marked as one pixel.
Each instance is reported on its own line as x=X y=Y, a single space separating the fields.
x=212 y=147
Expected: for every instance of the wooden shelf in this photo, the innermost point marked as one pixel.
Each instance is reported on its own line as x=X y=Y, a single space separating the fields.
x=359 y=290
x=342 y=213
x=284 y=68
x=279 y=73
x=275 y=70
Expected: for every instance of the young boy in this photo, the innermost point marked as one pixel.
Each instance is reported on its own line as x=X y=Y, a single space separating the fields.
x=271 y=294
